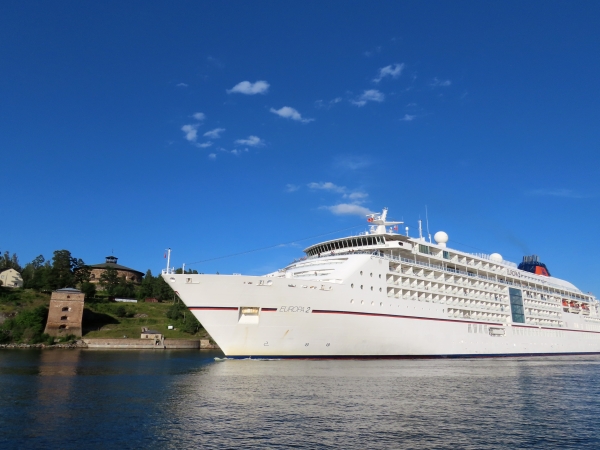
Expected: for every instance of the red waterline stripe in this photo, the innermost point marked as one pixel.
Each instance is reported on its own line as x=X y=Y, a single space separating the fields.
x=269 y=309
x=394 y=316
x=213 y=308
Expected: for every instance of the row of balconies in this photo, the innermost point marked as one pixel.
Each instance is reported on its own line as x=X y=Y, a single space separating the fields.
x=476 y=315
x=411 y=282
x=466 y=297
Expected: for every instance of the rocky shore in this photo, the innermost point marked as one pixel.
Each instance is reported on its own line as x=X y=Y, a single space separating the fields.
x=76 y=344
x=122 y=344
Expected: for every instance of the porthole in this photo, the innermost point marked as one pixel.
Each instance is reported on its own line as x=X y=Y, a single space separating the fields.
x=361 y=272
x=372 y=303
x=361 y=286
x=351 y=301
x=362 y=302
x=379 y=289
x=371 y=287
x=352 y=285
x=380 y=276
x=371 y=274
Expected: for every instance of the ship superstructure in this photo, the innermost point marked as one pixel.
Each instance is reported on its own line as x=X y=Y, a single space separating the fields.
x=384 y=294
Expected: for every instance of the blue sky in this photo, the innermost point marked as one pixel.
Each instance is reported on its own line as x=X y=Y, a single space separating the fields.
x=219 y=127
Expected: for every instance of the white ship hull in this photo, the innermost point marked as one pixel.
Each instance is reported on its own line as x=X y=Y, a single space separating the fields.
x=287 y=316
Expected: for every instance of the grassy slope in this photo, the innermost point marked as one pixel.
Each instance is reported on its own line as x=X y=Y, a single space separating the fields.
x=117 y=327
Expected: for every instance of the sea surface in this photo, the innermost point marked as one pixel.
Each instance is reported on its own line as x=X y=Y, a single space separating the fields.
x=186 y=399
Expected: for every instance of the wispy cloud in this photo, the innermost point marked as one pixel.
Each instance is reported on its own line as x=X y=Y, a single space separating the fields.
x=290 y=113
x=252 y=141
x=204 y=145
x=352 y=162
x=357 y=196
x=327 y=186
x=214 y=134
x=199 y=116
x=182 y=85
x=440 y=83
x=348 y=209
x=372 y=52
x=327 y=104
x=563 y=193
x=393 y=71
x=408 y=118
x=370 y=95
x=212 y=156
x=291 y=187
x=245 y=87
x=191 y=131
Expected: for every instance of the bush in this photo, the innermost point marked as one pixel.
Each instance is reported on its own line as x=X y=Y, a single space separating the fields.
x=27 y=326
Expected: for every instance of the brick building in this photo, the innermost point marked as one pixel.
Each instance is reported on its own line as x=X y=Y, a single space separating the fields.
x=65 y=312
x=132 y=275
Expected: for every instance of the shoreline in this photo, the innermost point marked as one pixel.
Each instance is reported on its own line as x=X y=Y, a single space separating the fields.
x=121 y=344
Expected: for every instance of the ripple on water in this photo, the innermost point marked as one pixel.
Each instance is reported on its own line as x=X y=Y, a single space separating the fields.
x=184 y=399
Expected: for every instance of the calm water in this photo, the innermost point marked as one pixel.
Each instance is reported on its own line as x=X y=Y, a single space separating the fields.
x=184 y=399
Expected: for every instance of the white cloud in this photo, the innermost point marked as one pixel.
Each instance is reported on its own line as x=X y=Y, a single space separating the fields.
x=245 y=87
x=393 y=70
x=214 y=134
x=252 y=141
x=327 y=186
x=290 y=113
x=327 y=104
x=182 y=85
x=407 y=118
x=357 y=197
x=348 y=209
x=443 y=83
x=352 y=162
x=212 y=156
x=291 y=188
x=191 y=132
x=199 y=116
x=204 y=145
x=370 y=95
x=238 y=152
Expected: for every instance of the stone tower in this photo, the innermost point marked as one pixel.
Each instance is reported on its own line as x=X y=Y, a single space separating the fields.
x=66 y=312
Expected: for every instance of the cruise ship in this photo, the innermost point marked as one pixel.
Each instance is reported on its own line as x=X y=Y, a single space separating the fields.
x=384 y=294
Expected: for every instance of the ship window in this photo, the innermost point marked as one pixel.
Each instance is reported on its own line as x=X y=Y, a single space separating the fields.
x=516 y=305
x=446 y=255
x=424 y=249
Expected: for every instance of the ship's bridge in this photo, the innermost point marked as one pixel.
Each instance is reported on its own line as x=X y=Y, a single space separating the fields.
x=380 y=233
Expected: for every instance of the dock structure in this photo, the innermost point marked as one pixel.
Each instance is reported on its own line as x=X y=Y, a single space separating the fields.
x=65 y=313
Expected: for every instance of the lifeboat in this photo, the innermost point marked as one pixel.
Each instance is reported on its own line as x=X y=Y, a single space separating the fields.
x=574 y=307
x=585 y=309
x=565 y=304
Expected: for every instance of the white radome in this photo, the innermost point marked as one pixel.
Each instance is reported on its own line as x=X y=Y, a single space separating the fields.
x=496 y=257
x=441 y=238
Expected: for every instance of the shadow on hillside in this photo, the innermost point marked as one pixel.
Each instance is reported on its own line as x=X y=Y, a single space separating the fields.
x=95 y=320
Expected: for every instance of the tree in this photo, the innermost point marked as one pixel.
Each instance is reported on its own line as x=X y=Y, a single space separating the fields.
x=109 y=280
x=89 y=289
x=81 y=271
x=61 y=275
x=10 y=262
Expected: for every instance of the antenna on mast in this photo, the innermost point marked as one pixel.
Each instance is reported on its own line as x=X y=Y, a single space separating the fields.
x=427 y=223
x=420 y=230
